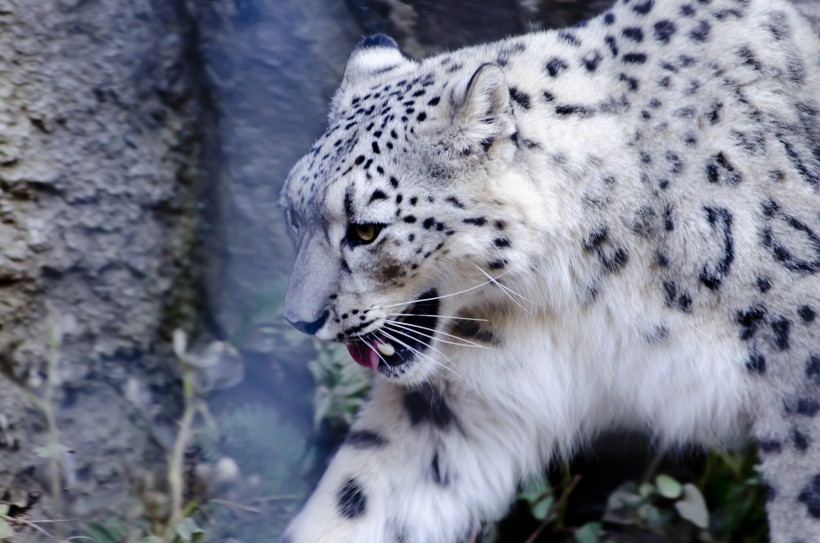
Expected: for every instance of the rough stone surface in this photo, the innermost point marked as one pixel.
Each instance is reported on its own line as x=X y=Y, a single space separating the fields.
x=97 y=156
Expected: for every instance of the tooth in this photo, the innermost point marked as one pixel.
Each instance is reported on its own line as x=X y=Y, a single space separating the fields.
x=386 y=349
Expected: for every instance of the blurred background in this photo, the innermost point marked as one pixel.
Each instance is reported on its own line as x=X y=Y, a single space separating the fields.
x=150 y=390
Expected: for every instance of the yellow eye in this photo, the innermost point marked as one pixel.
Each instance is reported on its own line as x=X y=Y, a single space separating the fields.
x=363 y=233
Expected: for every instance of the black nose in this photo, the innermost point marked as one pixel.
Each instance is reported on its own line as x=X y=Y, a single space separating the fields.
x=310 y=327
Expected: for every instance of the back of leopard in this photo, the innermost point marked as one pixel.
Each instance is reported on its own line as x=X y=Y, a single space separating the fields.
x=535 y=240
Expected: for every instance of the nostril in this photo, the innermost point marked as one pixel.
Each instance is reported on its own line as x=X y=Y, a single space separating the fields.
x=311 y=327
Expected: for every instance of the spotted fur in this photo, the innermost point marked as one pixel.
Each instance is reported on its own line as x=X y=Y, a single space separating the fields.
x=616 y=225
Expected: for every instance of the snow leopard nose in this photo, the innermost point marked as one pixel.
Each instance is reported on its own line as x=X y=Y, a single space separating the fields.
x=312 y=283
x=310 y=327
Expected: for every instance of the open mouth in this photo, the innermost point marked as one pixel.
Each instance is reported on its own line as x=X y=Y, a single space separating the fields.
x=402 y=338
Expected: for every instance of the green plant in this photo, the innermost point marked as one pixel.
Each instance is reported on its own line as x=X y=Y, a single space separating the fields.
x=652 y=505
x=108 y=531
x=167 y=518
x=732 y=485
x=726 y=502
x=550 y=510
x=341 y=385
x=6 y=531
x=55 y=453
x=722 y=501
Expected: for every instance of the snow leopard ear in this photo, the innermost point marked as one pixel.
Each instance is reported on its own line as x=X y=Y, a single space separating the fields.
x=485 y=113
x=377 y=53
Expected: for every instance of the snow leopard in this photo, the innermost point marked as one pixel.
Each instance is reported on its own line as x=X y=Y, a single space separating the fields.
x=529 y=242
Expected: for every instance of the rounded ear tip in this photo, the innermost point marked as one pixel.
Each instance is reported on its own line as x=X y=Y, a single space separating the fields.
x=488 y=74
x=489 y=68
x=377 y=40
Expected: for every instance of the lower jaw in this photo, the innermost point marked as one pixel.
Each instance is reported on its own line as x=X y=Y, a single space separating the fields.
x=393 y=372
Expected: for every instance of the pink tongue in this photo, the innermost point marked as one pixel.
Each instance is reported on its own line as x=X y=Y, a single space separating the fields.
x=363 y=355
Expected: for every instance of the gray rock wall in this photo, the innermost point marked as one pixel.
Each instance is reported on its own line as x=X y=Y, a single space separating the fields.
x=98 y=159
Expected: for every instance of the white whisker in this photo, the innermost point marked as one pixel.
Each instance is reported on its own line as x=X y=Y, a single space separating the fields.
x=416 y=351
x=509 y=292
x=438 y=316
x=505 y=287
x=422 y=334
x=408 y=326
x=491 y=280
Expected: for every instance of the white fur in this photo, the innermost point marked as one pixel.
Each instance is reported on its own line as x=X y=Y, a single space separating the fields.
x=582 y=348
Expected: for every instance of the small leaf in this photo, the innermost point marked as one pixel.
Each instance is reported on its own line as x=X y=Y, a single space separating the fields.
x=624 y=496
x=180 y=343
x=187 y=529
x=110 y=531
x=625 y=516
x=56 y=451
x=621 y=505
x=692 y=506
x=651 y=516
x=541 y=509
x=536 y=489
x=646 y=490
x=668 y=487
x=588 y=533
x=42 y=452
x=5 y=530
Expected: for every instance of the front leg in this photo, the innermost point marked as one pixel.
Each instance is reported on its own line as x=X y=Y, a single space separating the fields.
x=415 y=468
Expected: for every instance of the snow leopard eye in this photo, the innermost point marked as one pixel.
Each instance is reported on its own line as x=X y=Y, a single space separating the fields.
x=363 y=234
